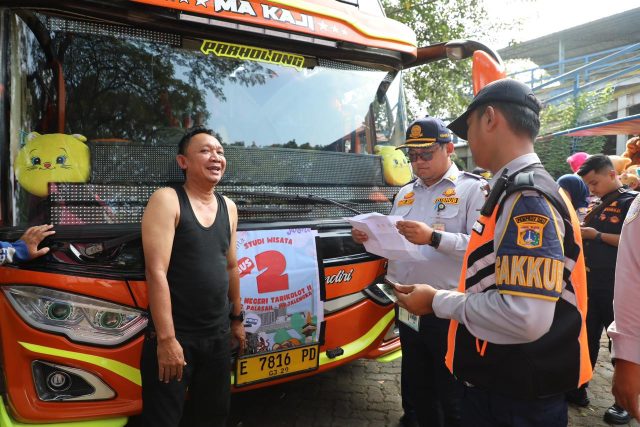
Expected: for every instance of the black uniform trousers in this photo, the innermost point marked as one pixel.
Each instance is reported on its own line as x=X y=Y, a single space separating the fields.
x=430 y=394
x=483 y=408
x=207 y=377
x=600 y=283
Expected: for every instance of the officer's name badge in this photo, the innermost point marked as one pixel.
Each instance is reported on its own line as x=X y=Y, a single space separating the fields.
x=478 y=227
x=409 y=319
x=530 y=229
x=448 y=200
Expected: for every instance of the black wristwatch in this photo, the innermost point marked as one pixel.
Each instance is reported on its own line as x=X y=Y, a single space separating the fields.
x=435 y=239
x=239 y=317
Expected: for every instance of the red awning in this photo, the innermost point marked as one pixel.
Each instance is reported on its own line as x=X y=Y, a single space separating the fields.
x=629 y=125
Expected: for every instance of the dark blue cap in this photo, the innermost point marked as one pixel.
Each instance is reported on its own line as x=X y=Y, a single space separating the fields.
x=425 y=132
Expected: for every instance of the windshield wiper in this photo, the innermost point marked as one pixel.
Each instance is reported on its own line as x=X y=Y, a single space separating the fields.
x=306 y=197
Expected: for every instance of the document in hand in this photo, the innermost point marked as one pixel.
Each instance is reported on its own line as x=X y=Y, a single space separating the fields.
x=384 y=238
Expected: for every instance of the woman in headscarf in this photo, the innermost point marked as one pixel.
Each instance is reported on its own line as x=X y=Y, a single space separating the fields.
x=577 y=191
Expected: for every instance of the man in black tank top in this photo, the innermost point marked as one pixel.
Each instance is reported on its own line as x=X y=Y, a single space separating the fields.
x=189 y=241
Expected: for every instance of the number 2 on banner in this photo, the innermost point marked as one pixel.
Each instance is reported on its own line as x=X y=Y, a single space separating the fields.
x=272 y=279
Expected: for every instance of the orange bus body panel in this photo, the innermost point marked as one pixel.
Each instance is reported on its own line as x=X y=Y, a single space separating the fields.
x=20 y=388
x=111 y=290
x=348 y=279
x=319 y=18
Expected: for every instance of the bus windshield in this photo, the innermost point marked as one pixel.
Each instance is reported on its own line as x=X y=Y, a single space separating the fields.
x=104 y=84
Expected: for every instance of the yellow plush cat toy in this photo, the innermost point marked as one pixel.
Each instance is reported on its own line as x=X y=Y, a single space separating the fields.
x=49 y=158
x=395 y=166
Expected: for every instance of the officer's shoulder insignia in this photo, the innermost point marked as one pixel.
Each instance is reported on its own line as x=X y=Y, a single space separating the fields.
x=407 y=199
x=452 y=177
x=634 y=209
x=449 y=192
x=530 y=230
x=473 y=175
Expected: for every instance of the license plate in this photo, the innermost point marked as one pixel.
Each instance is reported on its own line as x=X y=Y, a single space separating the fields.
x=267 y=366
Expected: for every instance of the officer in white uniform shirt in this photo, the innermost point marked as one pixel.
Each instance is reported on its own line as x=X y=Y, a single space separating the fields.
x=439 y=208
x=625 y=330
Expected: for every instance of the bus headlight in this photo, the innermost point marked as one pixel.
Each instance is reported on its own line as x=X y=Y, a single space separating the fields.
x=80 y=318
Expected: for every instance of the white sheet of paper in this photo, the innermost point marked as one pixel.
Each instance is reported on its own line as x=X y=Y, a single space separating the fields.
x=384 y=238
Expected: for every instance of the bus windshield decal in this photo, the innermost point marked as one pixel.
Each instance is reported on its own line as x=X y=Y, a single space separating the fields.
x=239 y=51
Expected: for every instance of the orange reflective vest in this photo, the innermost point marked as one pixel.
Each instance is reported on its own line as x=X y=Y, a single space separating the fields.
x=559 y=360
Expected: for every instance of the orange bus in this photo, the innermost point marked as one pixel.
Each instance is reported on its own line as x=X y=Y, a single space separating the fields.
x=306 y=97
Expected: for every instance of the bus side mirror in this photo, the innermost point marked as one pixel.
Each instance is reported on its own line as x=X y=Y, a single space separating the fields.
x=484 y=70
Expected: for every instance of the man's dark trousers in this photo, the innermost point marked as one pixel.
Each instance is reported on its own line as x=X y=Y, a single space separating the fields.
x=429 y=391
x=206 y=375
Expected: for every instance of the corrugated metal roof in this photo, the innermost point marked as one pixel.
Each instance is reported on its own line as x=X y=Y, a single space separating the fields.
x=596 y=36
x=629 y=125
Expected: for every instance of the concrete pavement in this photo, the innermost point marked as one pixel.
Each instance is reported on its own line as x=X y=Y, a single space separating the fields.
x=599 y=393
x=367 y=393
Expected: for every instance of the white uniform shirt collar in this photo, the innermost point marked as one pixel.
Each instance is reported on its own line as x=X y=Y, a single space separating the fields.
x=450 y=175
x=516 y=165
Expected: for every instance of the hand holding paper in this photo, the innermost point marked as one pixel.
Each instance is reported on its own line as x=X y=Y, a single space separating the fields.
x=383 y=237
x=415 y=231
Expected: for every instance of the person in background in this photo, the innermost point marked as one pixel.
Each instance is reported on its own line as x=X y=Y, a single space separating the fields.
x=576 y=160
x=601 y=233
x=625 y=329
x=517 y=339
x=26 y=247
x=439 y=209
x=577 y=192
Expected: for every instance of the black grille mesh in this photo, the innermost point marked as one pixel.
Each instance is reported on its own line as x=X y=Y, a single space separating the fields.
x=147 y=164
x=76 y=204
x=123 y=177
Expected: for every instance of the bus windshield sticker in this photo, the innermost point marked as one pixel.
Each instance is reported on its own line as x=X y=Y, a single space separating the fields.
x=239 y=51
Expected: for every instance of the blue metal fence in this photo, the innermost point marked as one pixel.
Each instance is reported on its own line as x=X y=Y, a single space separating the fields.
x=553 y=83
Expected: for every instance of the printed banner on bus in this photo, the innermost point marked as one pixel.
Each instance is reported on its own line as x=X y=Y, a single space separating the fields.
x=280 y=288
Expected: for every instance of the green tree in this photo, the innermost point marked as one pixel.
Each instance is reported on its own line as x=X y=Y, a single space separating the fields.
x=458 y=162
x=442 y=88
x=588 y=107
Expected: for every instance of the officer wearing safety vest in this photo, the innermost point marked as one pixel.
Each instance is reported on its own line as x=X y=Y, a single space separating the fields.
x=517 y=338
x=438 y=209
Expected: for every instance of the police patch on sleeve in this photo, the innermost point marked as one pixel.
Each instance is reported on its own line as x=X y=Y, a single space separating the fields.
x=530 y=230
x=530 y=258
